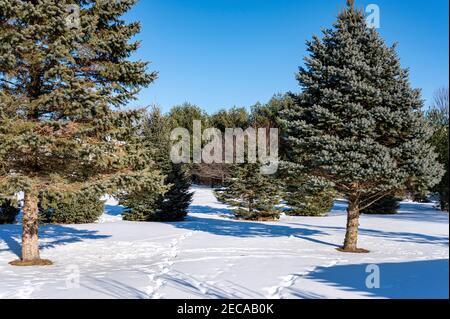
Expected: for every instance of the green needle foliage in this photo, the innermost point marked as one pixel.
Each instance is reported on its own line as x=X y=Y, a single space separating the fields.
x=358 y=124
x=385 y=206
x=438 y=119
x=63 y=82
x=254 y=194
x=145 y=205
x=82 y=207
x=306 y=198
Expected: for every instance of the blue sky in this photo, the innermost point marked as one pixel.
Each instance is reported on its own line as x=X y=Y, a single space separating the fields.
x=223 y=53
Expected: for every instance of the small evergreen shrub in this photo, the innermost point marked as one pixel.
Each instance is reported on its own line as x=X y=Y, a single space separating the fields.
x=255 y=195
x=223 y=196
x=386 y=206
x=70 y=208
x=257 y=215
x=146 y=206
x=140 y=205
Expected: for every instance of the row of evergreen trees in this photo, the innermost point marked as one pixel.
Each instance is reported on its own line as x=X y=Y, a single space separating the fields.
x=355 y=129
x=255 y=195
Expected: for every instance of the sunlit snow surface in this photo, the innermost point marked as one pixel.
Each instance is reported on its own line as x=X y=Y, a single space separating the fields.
x=212 y=256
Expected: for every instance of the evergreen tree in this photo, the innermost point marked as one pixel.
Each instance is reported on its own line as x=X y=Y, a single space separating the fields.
x=8 y=211
x=254 y=194
x=173 y=205
x=233 y=118
x=306 y=198
x=438 y=119
x=148 y=206
x=357 y=124
x=267 y=115
x=184 y=116
x=82 y=207
x=385 y=206
x=63 y=80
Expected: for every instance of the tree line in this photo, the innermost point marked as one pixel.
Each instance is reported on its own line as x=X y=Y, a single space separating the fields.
x=356 y=129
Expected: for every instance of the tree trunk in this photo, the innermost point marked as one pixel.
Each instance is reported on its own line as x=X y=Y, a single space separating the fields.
x=351 y=237
x=30 y=224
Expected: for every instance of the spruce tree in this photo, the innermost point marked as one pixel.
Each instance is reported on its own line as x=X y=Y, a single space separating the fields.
x=306 y=198
x=439 y=122
x=63 y=81
x=174 y=204
x=254 y=194
x=144 y=205
x=357 y=123
x=303 y=196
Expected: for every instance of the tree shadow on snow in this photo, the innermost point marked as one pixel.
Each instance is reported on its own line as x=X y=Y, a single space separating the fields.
x=407 y=211
x=190 y=285
x=419 y=212
x=114 y=289
x=236 y=228
x=50 y=236
x=426 y=279
x=210 y=210
x=395 y=236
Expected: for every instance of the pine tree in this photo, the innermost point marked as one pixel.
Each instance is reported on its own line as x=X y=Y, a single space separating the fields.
x=145 y=205
x=63 y=80
x=267 y=115
x=357 y=125
x=253 y=193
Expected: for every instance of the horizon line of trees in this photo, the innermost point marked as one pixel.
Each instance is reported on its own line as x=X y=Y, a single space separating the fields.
x=301 y=195
x=356 y=128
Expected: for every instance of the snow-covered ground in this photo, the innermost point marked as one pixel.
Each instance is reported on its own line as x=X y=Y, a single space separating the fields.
x=213 y=256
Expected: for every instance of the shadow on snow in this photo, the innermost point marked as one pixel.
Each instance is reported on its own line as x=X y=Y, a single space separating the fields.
x=235 y=228
x=426 y=279
x=50 y=236
x=395 y=236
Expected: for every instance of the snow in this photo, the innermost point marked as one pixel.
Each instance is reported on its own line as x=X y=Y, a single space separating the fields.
x=210 y=255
